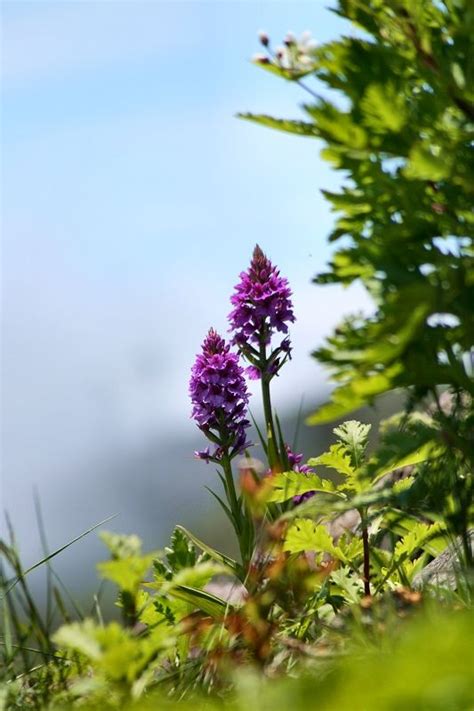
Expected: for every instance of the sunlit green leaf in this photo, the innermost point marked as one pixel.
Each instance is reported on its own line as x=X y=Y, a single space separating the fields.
x=286 y=485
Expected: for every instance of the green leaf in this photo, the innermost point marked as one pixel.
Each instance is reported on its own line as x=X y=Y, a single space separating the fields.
x=121 y=546
x=422 y=454
x=80 y=637
x=384 y=108
x=196 y=576
x=422 y=535
x=300 y=128
x=181 y=553
x=337 y=126
x=127 y=573
x=208 y=603
x=427 y=164
x=305 y=535
x=337 y=458
x=286 y=485
x=351 y=586
x=225 y=560
x=354 y=435
x=358 y=393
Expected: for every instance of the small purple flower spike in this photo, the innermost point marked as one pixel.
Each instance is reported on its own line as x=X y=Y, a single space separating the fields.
x=262 y=303
x=219 y=397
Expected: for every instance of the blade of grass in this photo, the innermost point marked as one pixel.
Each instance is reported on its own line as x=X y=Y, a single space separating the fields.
x=56 y=552
x=44 y=545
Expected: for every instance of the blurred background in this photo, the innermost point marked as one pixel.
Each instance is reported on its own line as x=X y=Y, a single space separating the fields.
x=132 y=198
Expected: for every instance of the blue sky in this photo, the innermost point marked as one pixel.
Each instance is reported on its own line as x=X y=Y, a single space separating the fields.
x=132 y=198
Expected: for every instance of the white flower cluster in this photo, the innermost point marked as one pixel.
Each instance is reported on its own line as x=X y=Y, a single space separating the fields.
x=294 y=55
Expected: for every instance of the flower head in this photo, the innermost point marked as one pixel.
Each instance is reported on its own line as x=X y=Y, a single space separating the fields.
x=219 y=398
x=262 y=303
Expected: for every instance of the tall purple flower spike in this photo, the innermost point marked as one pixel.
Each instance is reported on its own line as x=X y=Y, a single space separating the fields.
x=262 y=303
x=219 y=397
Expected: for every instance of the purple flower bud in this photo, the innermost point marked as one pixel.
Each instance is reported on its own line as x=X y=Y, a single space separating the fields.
x=219 y=397
x=253 y=372
x=261 y=302
x=263 y=38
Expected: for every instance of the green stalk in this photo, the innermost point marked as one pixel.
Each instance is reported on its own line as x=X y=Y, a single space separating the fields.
x=231 y=492
x=273 y=456
x=240 y=524
x=366 y=550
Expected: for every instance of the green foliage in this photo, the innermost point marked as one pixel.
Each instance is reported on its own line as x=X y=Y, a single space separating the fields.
x=425 y=666
x=120 y=659
x=397 y=121
x=286 y=485
x=403 y=141
x=304 y=535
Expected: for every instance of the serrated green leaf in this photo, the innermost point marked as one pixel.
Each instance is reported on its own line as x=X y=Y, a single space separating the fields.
x=300 y=128
x=286 y=485
x=181 y=553
x=425 y=164
x=351 y=586
x=127 y=573
x=337 y=458
x=384 y=108
x=305 y=535
x=419 y=536
x=354 y=435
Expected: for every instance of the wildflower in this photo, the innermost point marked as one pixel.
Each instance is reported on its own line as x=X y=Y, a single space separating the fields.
x=261 y=301
x=297 y=55
x=263 y=38
x=219 y=398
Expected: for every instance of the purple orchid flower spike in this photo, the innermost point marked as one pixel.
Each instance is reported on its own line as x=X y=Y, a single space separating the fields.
x=219 y=397
x=262 y=306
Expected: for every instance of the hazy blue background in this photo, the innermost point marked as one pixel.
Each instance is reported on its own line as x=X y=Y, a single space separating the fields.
x=132 y=197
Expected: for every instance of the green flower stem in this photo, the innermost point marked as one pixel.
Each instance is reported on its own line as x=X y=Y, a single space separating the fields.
x=240 y=518
x=231 y=492
x=366 y=550
x=273 y=456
